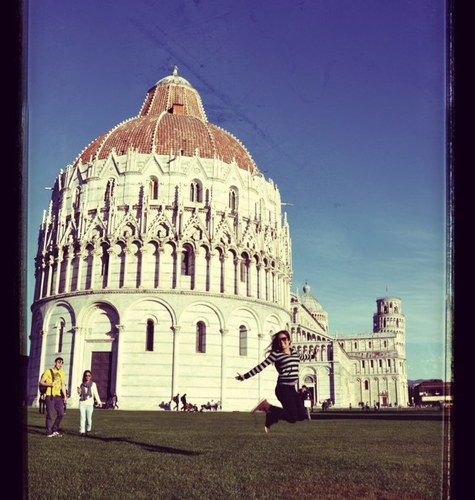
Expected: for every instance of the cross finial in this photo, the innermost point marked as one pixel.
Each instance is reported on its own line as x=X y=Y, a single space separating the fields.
x=175 y=70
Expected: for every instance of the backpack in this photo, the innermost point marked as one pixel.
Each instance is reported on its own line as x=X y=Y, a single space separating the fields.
x=42 y=388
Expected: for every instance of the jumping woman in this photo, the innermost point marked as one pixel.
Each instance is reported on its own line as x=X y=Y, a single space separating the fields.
x=286 y=360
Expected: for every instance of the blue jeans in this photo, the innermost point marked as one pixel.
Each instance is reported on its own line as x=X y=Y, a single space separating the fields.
x=85 y=414
x=292 y=409
x=54 y=403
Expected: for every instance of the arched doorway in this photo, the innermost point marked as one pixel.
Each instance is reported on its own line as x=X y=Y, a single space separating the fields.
x=311 y=382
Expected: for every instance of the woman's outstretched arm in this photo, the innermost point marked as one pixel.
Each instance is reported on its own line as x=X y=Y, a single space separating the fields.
x=254 y=371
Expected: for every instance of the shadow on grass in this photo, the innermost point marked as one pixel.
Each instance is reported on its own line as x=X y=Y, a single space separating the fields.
x=145 y=446
x=36 y=429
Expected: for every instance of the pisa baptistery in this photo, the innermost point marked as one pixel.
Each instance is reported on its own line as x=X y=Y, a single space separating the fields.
x=163 y=262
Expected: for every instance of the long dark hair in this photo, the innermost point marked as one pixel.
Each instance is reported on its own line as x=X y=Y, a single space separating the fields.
x=274 y=346
x=84 y=375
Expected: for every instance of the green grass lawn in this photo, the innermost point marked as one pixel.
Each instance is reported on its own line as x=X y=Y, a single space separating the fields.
x=219 y=455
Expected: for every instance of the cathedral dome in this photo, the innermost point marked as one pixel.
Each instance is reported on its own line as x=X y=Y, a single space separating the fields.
x=309 y=301
x=171 y=121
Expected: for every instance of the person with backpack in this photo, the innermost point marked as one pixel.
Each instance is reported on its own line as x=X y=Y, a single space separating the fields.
x=53 y=381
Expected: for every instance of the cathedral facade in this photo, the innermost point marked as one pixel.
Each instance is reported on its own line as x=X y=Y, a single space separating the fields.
x=164 y=266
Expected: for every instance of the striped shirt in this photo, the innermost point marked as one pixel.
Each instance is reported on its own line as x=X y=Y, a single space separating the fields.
x=286 y=364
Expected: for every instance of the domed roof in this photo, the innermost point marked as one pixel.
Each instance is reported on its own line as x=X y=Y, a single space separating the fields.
x=309 y=301
x=174 y=78
x=171 y=121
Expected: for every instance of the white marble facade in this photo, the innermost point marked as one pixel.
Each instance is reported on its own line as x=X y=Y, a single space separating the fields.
x=164 y=265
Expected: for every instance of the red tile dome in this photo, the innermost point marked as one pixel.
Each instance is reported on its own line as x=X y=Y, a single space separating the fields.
x=171 y=121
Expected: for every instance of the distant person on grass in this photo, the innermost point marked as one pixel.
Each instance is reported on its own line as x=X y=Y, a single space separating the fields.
x=87 y=395
x=183 y=402
x=56 y=397
x=286 y=360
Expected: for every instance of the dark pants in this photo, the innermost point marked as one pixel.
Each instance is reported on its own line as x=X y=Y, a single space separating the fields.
x=293 y=409
x=54 y=403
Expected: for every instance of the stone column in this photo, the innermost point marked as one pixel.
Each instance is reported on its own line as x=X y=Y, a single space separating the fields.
x=82 y=256
x=267 y=291
x=177 y=257
x=222 y=393
x=259 y=280
x=160 y=252
x=237 y=275
x=119 y=340
x=212 y=277
x=141 y=258
x=175 y=357
x=69 y=259
x=41 y=278
x=260 y=337
x=57 y=277
x=77 y=348
x=139 y=262
x=126 y=266
x=249 y=281
x=50 y=275
x=96 y=256
x=222 y=274
x=110 y=258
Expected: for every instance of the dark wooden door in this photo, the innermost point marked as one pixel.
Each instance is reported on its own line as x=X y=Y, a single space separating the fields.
x=101 y=373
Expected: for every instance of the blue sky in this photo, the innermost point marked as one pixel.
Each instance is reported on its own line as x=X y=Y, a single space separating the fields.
x=341 y=103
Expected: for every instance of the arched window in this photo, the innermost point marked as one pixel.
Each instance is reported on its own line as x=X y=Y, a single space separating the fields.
x=104 y=260
x=77 y=198
x=109 y=193
x=233 y=199
x=366 y=385
x=200 y=337
x=196 y=191
x=294 y=315
x=242 y=341
x=187 y=260
x=149 y=335
x=60 y=334
x=153 y=188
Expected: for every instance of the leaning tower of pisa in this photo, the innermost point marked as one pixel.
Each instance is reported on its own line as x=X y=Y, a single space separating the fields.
x=389 y=319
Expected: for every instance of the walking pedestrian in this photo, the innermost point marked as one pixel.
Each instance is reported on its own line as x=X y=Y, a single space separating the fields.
x=56 y=397
x=87 y=395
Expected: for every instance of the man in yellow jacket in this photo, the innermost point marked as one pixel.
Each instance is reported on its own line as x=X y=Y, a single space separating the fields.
x=56 y=397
